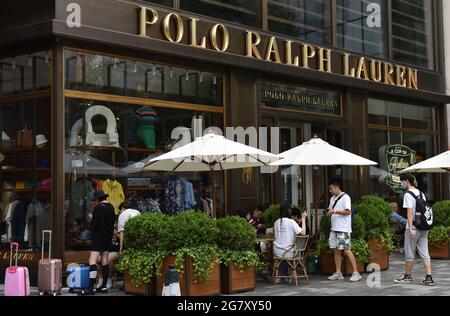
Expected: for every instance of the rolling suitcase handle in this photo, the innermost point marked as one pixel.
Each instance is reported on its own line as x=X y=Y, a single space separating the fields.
x=12 y=268
x=49 y=232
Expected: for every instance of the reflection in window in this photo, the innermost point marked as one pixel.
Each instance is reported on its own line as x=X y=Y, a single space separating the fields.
x=247 y=12
x=362 y=26
x=25 y=73
x=413 y=32
x=97 y=73
x=115 y=161
x=305 y=19
x=400 y=115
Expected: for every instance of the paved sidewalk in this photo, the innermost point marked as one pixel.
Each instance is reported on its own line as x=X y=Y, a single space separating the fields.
x=320 y=286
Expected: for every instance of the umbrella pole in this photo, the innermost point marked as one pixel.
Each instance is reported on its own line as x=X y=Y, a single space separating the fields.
x=213 y=184
x=316 y=212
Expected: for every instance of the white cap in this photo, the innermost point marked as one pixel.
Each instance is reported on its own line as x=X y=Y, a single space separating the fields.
x=40 y=140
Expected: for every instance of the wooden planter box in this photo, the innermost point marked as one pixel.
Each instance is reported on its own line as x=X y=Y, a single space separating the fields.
x=235 y=281
x=328 y=267
x=131 y=289
x=379 y=254
x=187 y=285
x=439 y=253
x=210 y=288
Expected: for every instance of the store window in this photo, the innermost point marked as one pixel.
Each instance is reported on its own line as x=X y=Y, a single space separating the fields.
x=400 y=135
x=107 y=146
x=305 y=19
x=25 y=171
x=247 y=12
x=25 y=73
x=105 y=74
x=362 y=26
x=413 y=32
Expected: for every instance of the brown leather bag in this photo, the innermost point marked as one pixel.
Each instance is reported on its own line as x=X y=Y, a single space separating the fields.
x=25 y=137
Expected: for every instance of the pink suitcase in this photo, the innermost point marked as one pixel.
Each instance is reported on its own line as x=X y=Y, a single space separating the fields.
x=50 y=270
x=17 y=280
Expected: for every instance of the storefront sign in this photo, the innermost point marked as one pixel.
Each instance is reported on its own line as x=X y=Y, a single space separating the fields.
x=24 y=257
x=300 y=98
x=176 y=28
x=395 y=158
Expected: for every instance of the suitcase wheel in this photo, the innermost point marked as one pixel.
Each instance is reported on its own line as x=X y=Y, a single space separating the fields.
x=41 y=293
x=55 y=294
x=71 y=291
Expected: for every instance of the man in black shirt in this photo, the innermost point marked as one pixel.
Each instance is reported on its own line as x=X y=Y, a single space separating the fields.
x=103 y=219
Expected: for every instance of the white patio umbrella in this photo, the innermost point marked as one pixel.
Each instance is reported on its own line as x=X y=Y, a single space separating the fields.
x=210 y=153
x=437 y=164
x=317 y=152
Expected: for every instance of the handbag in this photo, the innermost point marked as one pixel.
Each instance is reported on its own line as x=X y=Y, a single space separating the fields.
x=25 y=137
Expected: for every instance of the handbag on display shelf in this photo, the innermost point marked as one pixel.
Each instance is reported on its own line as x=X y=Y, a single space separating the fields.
x=25 y=137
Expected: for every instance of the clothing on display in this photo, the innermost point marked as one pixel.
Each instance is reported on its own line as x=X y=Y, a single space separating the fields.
x=115 y=191
x=179 y=196
x=81 y=194
x=146 y=128
x=148 y=205
x=131 y=119
x=16 y=218
x=38 y=219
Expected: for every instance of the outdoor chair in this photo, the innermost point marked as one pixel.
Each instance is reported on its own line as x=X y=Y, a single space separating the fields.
x=294 y=257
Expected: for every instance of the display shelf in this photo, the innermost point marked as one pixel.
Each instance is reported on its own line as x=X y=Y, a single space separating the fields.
x=24 y=149
x=144 y=188
x=24 y=170
x=25 y=190
x=122 y=149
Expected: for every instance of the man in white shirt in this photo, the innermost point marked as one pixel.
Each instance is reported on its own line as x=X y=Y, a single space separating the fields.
x=126 y=212
x=415 y=239
x=340 y=210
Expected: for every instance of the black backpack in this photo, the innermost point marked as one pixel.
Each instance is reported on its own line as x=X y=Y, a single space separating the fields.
x=423 y=218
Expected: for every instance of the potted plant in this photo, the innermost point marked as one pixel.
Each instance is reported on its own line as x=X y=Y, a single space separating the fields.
x=194 y=243
x=146 y=249
x=438 y=242
x=237 y=240
x=271 y=214
x=376 y=213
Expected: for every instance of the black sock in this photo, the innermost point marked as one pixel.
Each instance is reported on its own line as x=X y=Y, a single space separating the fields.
x=105 y=274
x=429 y=276
x=92 y=276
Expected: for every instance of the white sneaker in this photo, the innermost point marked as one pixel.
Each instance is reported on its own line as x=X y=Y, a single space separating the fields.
x=109 y=284
x=356 y=277
x=99 y=283
x=336 y=277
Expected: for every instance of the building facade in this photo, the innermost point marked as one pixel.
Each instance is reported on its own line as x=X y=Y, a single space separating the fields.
x=90 y=89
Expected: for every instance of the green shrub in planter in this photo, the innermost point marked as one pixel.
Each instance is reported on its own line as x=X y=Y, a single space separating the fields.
x=441 y=213
x=322 y=246
x=237 y=240
x=438 y=236
x=148 y=232
x=358 y=227
x=361 y=251
x=142 y=266
x=235 y=233
x=271 y=214
x=192 y=229
x=194 y=234
x=325 y=225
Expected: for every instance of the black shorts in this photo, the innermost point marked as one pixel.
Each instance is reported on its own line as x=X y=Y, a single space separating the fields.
x=101 y=245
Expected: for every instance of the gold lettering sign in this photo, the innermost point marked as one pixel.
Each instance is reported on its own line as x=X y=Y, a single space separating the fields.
x=296 y=54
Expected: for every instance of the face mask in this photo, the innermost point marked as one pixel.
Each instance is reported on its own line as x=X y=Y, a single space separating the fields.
x=403 y=186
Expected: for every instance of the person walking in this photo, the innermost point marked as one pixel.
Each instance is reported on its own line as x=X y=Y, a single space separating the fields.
x=415 y=239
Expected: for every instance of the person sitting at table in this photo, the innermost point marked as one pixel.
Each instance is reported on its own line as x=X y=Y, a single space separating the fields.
x=396 y=218
x=258 y=220
x=296 y=215
x=246 y=215
x=286 y=229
